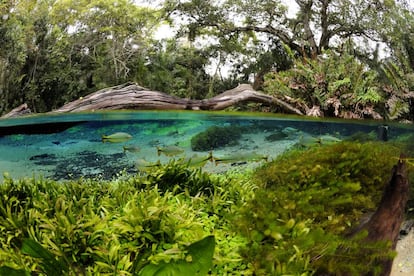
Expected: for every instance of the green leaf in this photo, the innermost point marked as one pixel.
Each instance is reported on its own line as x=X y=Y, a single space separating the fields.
x=198 y=261
x=49 y=264
x=5 y=270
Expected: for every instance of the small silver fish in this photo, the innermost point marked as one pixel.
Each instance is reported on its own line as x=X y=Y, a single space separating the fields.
x=169 y=150
x=242 y=157
x=131 y=148
x=328 y=139
x=199 y=161
x=117 y=137
x=144 y=165
x=307 y=140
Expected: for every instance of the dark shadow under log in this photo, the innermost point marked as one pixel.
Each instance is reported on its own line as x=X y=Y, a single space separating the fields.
x=132 y=96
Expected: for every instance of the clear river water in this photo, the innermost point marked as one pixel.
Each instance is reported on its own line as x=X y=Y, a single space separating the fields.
x=103 y=144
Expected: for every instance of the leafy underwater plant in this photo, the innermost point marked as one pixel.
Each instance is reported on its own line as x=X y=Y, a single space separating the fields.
x=306 y=203
x=290 y=215
x=198 y=261
x=92 y=226
x=216 y=137
x=179 y=177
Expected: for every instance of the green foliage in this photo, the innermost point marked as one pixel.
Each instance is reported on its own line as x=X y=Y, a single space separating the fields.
x=178 y=177
x=48 y=264
x=50 y=56
x=308 y=200
x=339 y=86
x=121 y=226
x=198 y=261
x=399 y=90
x=215 y=137
x=177 y=69
x=287 y=217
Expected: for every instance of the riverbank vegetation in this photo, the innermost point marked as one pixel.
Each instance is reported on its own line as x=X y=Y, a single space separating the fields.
x=325 y=58
x=289 y=216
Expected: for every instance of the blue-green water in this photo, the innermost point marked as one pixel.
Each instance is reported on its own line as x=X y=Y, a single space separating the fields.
x=68 y=146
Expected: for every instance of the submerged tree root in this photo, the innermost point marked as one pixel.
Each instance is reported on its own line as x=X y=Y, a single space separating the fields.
x=384 y=225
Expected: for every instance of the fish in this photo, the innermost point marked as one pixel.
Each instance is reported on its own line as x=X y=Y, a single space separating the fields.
x=200 y=161
x=328 y=139
x=144 y=165
x=307 y=140
x=241 y=157
x=131 y=148
x=117 y=137
x=170 y=150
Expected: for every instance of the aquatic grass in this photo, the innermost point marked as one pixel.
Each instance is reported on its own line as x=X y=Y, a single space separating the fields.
x=92 y=226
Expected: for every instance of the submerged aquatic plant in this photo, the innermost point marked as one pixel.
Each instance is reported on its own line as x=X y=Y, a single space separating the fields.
x=216 y=137
x=287 y=217
x=179 y=177
x=308 y=200
x=120 y=226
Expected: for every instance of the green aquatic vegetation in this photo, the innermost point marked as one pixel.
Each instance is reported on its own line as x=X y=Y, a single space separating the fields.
x=287 y=217
x=17 y=137
x=91 y=227
x=177 y=176
x=216 y=137
x=49 y=264
x=308 y=200
x=197 y=261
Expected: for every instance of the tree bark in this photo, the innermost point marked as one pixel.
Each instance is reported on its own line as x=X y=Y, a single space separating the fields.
x=132 y=96
x=385 y=223
x=21 y=110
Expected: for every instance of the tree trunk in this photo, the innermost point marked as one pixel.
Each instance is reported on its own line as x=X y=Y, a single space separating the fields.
x=385 y=223
x=21 y=110
x=132 y=96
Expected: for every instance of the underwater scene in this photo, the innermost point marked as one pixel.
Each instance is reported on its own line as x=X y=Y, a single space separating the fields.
x=104 y=144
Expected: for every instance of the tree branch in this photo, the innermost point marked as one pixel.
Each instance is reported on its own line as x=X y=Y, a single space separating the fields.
x=132 y=96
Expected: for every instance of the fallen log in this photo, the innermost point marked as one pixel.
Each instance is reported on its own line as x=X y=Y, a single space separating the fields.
x=133 y=96
x=21 y=110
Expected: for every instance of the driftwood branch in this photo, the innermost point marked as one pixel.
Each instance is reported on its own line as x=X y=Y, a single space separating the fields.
x=132 y=96
x=21 y=110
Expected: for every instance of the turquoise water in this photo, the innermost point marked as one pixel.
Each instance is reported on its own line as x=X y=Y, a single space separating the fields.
x=69 y=146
